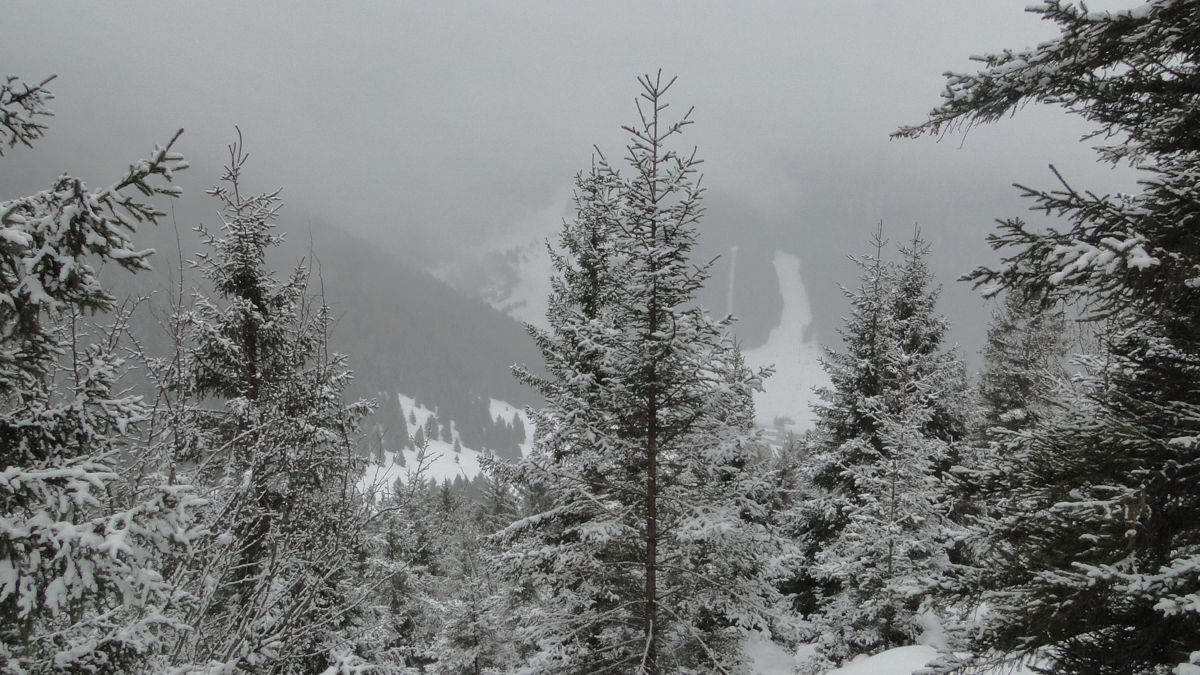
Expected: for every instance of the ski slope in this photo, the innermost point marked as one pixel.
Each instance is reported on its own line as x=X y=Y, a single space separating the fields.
x=438 y=461
x=792 y=351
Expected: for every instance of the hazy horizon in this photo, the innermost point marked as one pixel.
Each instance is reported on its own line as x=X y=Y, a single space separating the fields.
x=439 y=130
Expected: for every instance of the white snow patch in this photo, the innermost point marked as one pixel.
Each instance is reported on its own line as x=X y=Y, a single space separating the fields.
x=898 y=661
x=933 y=634
x=767 y=658
x=505 y=411
x=529 y=298
x=909 y=660
x=524 y=296
x=789 y=393
x=439 y=461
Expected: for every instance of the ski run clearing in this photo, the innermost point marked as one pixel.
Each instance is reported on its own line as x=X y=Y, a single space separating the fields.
x=438 y=461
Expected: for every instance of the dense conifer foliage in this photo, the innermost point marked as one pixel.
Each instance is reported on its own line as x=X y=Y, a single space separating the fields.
x=888 y=429
x=206 y=507
x=82 y=540
x=1098 y=549
x=651 y=554
x=258 y=424
x=1024 y=361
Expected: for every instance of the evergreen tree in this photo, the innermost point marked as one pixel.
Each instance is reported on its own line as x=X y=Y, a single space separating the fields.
x=1023 y=360
x=930 y=368
x=887 y=431
x=650 y=554
x=263 y=427
x=84 y=538
x=416 y=521
x=1098 y=548
x=1024 y=381
x=474 y=634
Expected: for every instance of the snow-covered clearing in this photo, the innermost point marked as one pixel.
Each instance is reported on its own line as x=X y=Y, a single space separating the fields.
x=505 y=411
x=439 y=461
x=792 y=350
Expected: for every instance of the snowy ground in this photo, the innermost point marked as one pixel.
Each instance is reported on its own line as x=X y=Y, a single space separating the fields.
x=771 y=659
x=898 y=661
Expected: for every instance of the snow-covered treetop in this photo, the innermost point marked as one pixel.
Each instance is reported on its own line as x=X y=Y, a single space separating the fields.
x=236 y=264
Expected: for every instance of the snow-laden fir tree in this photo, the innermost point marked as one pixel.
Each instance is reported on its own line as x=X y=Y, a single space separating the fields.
x=1024 y=380
x=846 y=419
x=474 y=634
x=261 y=426
x=1100 y=548
x=651 y=554
x=888 y=430
x=413 y=528
x=1023 y=360
x=82 y=548
x=446 y=611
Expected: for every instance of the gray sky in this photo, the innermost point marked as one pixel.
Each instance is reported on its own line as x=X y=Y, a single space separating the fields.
x=426 y=125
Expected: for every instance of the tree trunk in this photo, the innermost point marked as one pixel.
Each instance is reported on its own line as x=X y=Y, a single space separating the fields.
x=652 y=534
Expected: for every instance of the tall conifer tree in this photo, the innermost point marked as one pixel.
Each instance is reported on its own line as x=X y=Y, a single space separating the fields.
x=887 y=431
x=84 y=542
x=263 y=428
x=652 y=555
x=1023 y=359
x=1099 y=548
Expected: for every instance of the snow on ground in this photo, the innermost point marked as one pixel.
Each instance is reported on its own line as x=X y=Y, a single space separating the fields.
x=907 y=660
x=440 y=461
x=767 y=658
x=528 y=298
x=789 y=392
x=520 y=285
x=898 y=661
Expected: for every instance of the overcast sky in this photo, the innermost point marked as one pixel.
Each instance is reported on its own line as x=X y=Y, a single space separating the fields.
x=424 y=125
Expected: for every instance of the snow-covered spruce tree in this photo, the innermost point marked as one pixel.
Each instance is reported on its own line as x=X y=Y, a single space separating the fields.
x=927 y=362
x=279 y=583
x=887 y=431
x=651 y=555
x=1023 y=359
x=82 y=549
x=474 y=634
x=846 y=420
x=412 y=526
x=1101 y=548
x=1024 y=380
x=446 y=611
